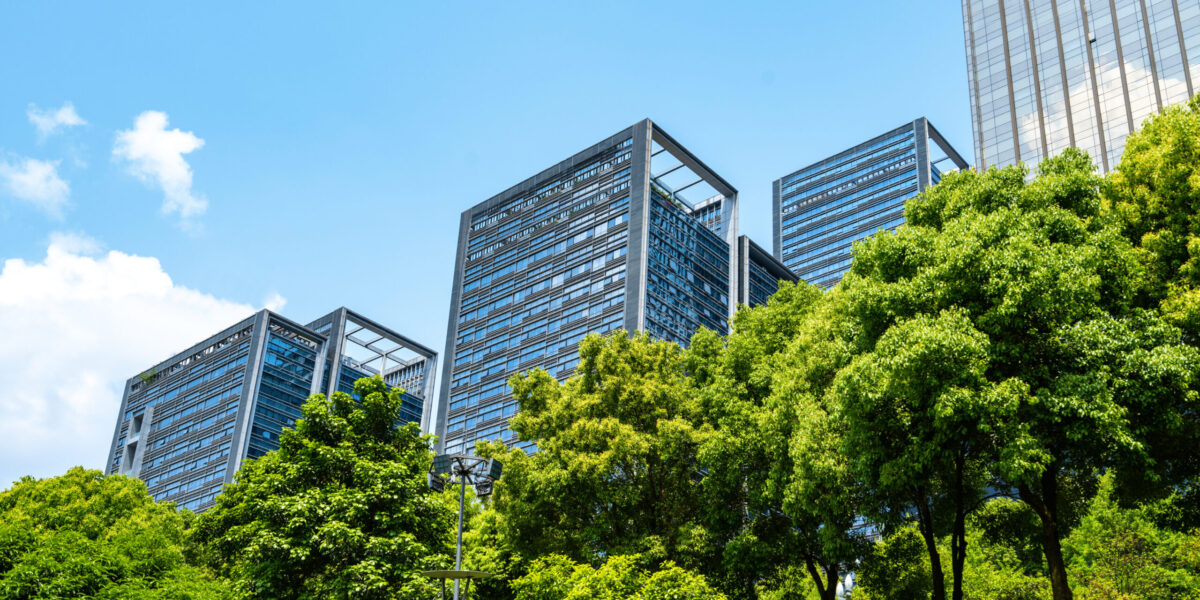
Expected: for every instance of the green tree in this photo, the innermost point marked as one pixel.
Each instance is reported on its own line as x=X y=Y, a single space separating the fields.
x=87 y=535
x=1154 y=193
x=621 y=577
x=1121 y=554
x=1072 y=377
x=919 y=419
x=1004 y=560
x=340 y=510
x=895 y=568
x=616 y=469
x=776 y=497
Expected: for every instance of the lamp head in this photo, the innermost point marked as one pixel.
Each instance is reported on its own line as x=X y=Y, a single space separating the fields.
x=441 y=464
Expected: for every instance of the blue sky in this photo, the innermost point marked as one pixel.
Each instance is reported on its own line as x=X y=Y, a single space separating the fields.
x=340 y=144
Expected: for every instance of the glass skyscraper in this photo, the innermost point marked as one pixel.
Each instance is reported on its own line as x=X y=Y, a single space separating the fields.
x=606 y=239
x=759 y=273
x=186 y=424
x=822 y=209
x=1045 y=75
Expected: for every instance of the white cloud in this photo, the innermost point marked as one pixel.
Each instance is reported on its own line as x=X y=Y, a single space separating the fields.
x=76 y=327
x=155 y=154
x=49 y=120
x=274 y=302
x=75 y=243
x=37 y=182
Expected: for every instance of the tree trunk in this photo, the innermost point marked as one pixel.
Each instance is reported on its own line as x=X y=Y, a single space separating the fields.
x=925 y=522
x=1045 y=505
x=958 y=538
x=827 y=586
x=831 y=576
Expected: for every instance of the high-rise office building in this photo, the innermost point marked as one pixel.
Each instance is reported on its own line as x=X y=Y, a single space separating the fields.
x=759 y=273
x=605 y=239
x=186 y=424
x=1045 y=75
x=822 y=209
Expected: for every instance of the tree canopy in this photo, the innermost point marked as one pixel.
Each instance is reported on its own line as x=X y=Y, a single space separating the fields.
x=615 y=470
x=341 y=510
x=85 y=535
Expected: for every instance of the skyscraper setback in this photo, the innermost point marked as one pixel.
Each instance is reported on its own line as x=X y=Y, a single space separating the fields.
x=1045 y=75
x=634 y=232
x=187 y=424
x=822 y=209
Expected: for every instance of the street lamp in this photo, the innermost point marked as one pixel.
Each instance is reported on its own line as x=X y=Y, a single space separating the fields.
x=462 y=469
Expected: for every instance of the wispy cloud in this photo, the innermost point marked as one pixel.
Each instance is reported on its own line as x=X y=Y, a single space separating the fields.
x=49 y=121
x=155 y=154
x=37 y=182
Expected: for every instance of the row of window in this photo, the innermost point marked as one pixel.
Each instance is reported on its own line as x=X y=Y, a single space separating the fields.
x=857 y=160
x=469 y=421
x=484 y=220
x=183 y=430
x=817 y=238
x=217 y=371
x=170 y=471
x=226 y=395
x=842 y=265
x=184 y=487
x=849 y=202
x=176 y=452
x=469 y=355
x=852 y=182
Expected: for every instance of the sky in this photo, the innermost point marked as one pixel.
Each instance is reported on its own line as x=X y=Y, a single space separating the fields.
x=168 y=168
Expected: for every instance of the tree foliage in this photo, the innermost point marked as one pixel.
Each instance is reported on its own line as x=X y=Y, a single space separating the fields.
x=1119 y=554
x=85 y=535
x=621 y=577
x=615 y=471
x=1068 y=375
x=778 y=497
x=340 y=510
x=1154 y=193
x=895 y=568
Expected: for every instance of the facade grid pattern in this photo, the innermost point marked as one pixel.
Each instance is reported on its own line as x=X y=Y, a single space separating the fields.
x=822 y=209
x=1045 y=75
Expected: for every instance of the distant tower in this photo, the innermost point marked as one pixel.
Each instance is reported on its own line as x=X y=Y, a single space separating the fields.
x=1045 y=75
x=822 y=209
x=186 y=424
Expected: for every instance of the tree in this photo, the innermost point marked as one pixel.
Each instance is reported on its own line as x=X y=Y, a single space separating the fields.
x=776 y=498
x=340 y=510
x=920 y=423
x=555 y=577
x=1004 y=559
x=83 y=534
x=1155 y=195
x=616 y=469
x=1047 y=285
x=1121 y=553
x=895 y=568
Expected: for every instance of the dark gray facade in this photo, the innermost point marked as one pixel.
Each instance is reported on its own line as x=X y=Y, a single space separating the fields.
x=759 y=273
x=1045 y=75
x=606 y=239
x=822 y=209
x=186 y=424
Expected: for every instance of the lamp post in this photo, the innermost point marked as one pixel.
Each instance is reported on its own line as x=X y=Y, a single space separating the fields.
x=462 y=469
